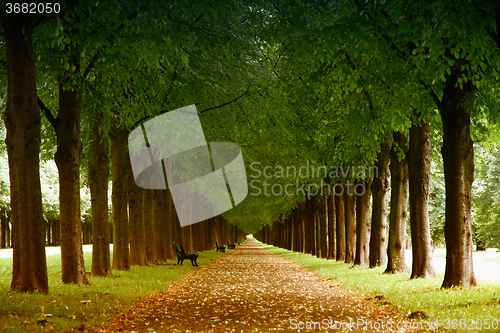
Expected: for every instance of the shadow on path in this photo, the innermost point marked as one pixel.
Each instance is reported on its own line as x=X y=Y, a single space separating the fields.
x=252 y=289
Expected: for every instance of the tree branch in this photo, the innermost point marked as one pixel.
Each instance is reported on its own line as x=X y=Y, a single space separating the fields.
x=109 y=40
x=227 y=103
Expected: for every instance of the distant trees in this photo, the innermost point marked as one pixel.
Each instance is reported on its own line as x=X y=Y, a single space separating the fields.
x=83 y=61
x=486 y=229
x=372 y=70
x=22 y=120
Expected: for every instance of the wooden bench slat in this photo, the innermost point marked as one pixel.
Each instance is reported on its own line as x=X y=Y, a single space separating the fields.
x=181 y=255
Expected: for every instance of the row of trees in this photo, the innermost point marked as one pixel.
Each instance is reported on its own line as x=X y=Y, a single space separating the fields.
x=351 y=226
x=85 y=58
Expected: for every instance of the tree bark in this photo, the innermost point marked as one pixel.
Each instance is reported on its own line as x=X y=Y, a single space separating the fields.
x=169 y=222
x=98 y=183
x=380 y=192
x=147 y=220
x=4 y=229
x=322 y=226
x=419 y=170
x=363 y=226
x=458 y=158
x=340 y=226
x=158 y=212
x=332 y=244
x=396 y=247
x=350 y=223
x=22 y=121
x=119 y=168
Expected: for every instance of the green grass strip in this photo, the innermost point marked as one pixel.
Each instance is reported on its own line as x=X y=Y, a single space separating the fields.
x=465 y=309
x=63 y=310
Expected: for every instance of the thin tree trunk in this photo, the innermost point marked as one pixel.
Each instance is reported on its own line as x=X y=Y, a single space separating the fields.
x=119 y=168
x=22 y=121
x=458 y=158
x=363 y=226
x=158 y=212
x=350 y=224
x=340 y=226
x=419 y=170
x=68 y=158
x=315 y=223
x=147 y=220
x=380 y=192
x=396 y=247
x=322 y=225
x=332 y=237
x=137 y=246
x=169 y=221
x=4 y=228
x=98 y=183
x=310 y=231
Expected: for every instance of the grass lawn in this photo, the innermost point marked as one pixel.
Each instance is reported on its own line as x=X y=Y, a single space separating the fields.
x=464 y=309
x=72 y=307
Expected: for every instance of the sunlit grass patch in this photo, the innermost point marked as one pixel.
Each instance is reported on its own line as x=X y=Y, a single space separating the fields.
x=72 y=307
x=448 y=306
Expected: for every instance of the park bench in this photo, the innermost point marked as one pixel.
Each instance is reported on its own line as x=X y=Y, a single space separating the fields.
x=221 y=248
x=231 y=245
x=181 y=255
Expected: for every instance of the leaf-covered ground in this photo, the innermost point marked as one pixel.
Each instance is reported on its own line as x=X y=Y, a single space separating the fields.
x=253 y=290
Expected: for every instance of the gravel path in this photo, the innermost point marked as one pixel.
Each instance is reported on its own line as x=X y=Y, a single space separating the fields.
x=253 y=290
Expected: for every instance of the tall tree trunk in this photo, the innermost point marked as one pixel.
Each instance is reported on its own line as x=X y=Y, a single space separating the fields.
x=147 y=220
x=363 y=226
x=137 y=246
x=302 y=222
x=332 y=237
x=169 y=221
x=458 y=158
x=68 y=156
x=419 y=170
x=98 y=181
x=22 y=120
x=119 y=168
x=340 y=226
x=310 y=231
x=315 y=221
x=380 y=192
x=396 y=247
x=350 y=223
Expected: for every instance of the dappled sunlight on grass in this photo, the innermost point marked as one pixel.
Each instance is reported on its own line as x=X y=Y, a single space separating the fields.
x=426 y=295
x=72 y=307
